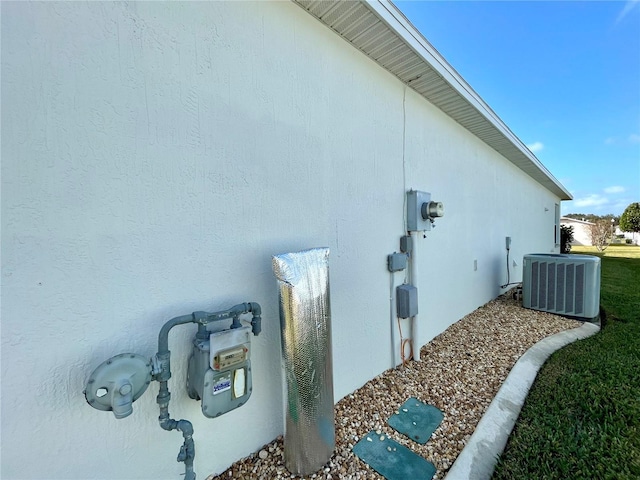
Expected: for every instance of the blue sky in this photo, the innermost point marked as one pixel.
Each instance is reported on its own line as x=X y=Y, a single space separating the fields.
x=564 y=76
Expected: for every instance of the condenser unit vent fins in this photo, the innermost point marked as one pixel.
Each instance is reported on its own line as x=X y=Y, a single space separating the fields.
x=562 y=284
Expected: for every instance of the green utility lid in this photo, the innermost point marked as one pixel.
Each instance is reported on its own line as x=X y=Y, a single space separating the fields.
x=392 y=460
x=416 y=420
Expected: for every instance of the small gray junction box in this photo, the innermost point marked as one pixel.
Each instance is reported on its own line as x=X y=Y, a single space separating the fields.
x=397 y=262
x=406 y=301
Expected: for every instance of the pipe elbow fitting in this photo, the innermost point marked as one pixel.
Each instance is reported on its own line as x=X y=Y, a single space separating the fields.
x=256 y=321
x=255 y=309
x=185 y=427
x=167 y=423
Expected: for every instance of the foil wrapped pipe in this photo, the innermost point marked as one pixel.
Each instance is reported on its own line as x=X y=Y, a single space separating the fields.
x=305 y=321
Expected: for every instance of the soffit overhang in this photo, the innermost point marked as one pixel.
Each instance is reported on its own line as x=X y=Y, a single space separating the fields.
x=379 y=30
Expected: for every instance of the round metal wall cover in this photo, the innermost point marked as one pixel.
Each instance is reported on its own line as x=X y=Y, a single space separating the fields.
x=135 y=368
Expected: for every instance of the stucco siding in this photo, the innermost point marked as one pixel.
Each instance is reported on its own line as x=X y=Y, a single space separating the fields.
x=155 y=156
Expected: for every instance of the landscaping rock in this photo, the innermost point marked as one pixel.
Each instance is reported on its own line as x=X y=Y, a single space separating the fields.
x=461 y=371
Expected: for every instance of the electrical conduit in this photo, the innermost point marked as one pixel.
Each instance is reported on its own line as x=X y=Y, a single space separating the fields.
x=413 y=280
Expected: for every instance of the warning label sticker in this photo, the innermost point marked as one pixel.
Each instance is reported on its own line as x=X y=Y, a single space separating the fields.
x=222 y=384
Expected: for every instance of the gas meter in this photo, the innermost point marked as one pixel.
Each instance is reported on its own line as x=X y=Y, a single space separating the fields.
x=219 y=372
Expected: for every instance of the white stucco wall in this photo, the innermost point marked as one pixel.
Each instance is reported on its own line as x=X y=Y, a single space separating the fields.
x=155 y=156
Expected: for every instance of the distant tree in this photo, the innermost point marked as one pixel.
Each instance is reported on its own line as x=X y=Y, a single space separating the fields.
x=601 y=234
x=590 y=217
x=566 y=237
x=587 y=217
x=630 y=219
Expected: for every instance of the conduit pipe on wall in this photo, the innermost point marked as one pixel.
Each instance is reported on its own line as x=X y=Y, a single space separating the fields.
x=162 y=373
x=421 y=215
x=413 y=280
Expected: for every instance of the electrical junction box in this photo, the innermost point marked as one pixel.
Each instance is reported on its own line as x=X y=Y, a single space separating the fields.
x=406 y=301
x=397 y=262
x=219 y=371
x=406 y=244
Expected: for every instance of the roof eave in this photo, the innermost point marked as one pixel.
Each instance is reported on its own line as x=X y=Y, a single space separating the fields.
x=383 y=33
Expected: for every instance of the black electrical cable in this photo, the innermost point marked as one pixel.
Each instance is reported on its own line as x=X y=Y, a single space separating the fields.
x=508 y=269
x=508 y=274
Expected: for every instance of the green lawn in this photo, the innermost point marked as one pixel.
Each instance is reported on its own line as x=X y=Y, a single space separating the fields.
x=581 y=419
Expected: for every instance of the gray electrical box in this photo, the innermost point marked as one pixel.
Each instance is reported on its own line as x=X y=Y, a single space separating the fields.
x=406 y=301
x=415 y=200
x=406 y=244
x=421 y=211
x=397 y=262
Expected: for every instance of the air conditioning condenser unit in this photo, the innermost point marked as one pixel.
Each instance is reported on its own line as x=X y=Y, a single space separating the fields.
x=562 y=284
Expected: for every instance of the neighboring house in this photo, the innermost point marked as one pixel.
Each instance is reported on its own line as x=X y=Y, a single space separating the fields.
x=155 y=155
x=581 y=230
x=633 y=236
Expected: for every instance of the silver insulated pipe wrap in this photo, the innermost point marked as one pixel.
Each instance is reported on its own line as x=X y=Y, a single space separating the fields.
x=305 y=321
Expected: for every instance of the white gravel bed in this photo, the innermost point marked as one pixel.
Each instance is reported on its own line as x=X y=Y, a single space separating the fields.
x=461 y=371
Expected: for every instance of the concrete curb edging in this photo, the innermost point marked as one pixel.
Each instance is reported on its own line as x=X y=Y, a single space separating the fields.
x=478 y=459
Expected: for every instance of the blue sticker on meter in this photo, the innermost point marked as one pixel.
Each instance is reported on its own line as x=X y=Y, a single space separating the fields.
x=222 y=384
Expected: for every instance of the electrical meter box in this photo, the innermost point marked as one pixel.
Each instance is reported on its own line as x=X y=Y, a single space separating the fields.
x=219 y=372
x=421 y=211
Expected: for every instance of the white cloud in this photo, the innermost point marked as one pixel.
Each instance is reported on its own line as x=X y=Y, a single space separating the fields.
x=620 y=140
x=630 y=5
x=596 y=204
x=592 y=200
x=535 y=147
x=614 y=189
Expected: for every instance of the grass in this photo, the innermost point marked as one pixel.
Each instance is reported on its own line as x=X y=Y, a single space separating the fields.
x=581 y=419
